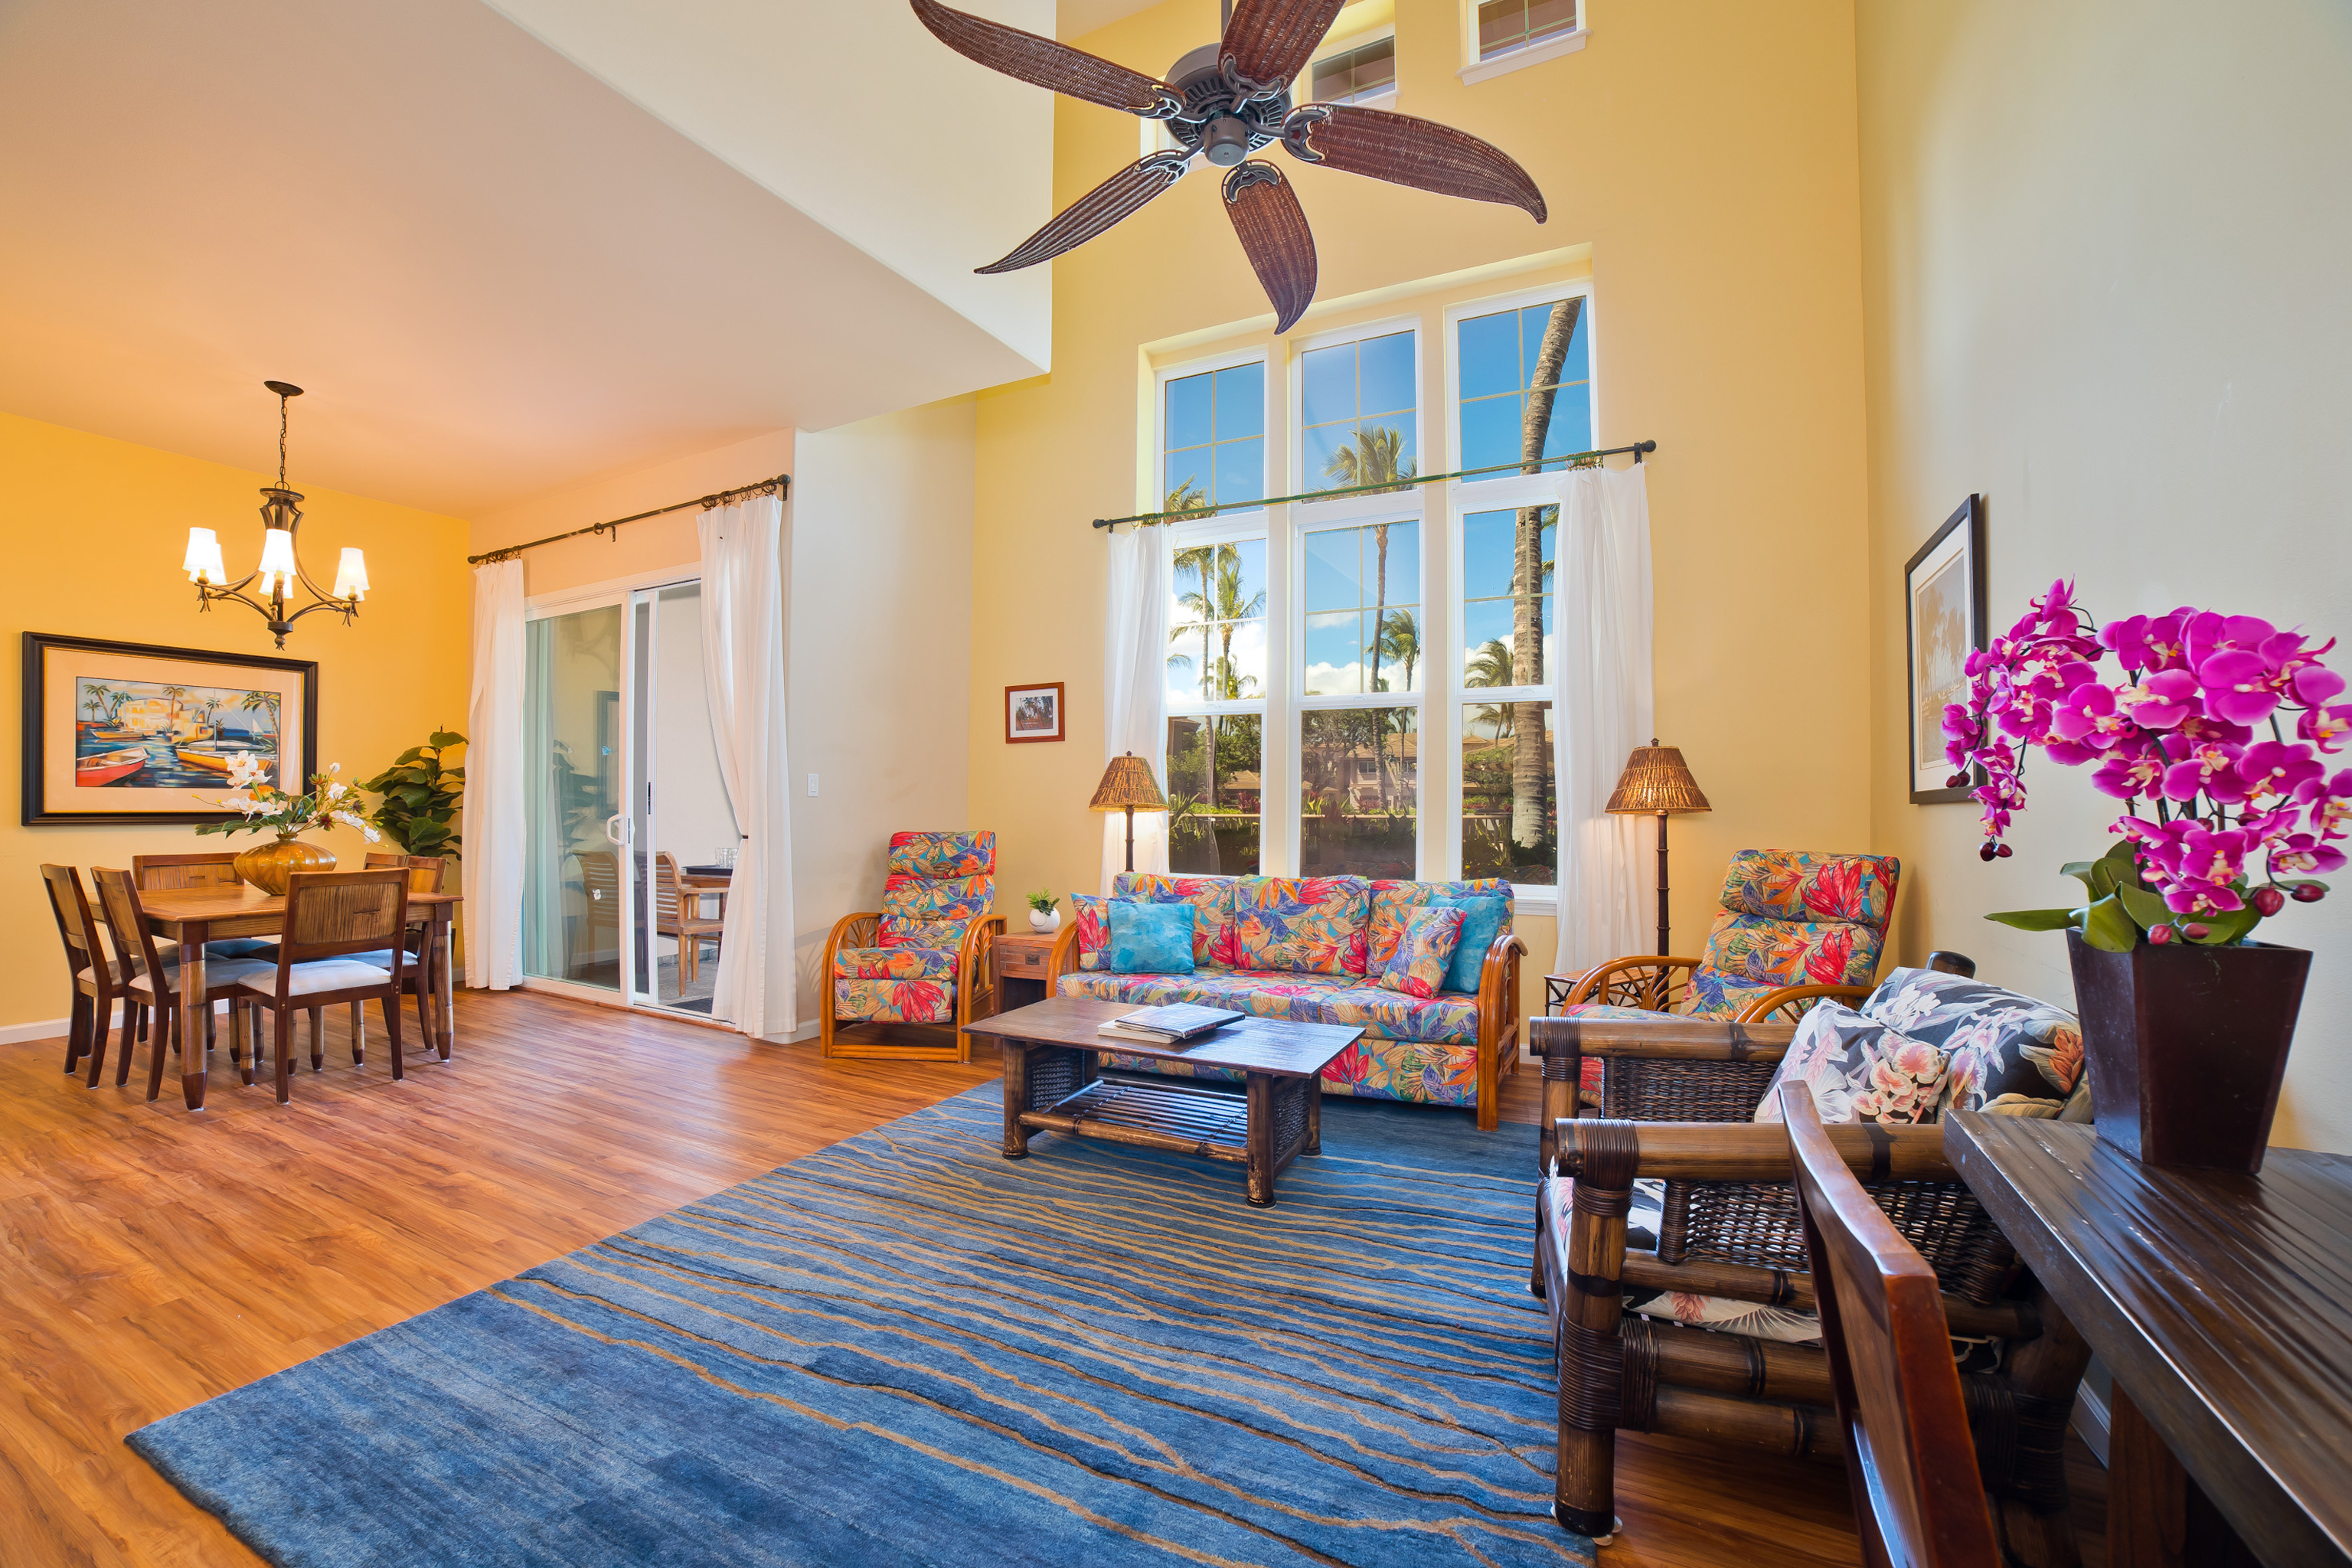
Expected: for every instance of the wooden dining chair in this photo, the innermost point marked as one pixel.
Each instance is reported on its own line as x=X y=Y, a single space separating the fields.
x=155 y=985
x=99 y=978
x=1910 y=1459
x=199 y=868
x=331 y=918
x=421 y=975
x=677 y=912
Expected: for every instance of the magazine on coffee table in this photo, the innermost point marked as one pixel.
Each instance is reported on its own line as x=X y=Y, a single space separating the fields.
x=1167 y=1025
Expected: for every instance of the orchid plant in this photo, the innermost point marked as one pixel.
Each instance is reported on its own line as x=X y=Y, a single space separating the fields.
x=2178 y=740
x=262 y=806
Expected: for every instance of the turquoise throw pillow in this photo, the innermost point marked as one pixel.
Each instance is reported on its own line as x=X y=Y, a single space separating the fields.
x=1150 y=939
x=1482 y=922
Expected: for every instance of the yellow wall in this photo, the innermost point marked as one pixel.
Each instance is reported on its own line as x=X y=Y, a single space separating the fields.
x=2102 y=251
x=94 y=531
x=1706 y=155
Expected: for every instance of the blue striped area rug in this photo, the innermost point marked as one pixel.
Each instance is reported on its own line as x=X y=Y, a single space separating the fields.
x=905 y=1348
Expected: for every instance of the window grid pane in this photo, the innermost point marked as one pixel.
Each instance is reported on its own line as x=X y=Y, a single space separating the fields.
x=1358 y=403
x=1361 y=597
x=1515 y=365
x=1504 y=26
x=1359 y=808
x=1510 y=805
x=1356 y=74
x=1215 y=793
x=1216 y=623
x=1509 y=632
x=1213 y=436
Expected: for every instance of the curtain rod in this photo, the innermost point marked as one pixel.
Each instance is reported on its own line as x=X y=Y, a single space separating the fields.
x=1187 y=513
x=782 y=484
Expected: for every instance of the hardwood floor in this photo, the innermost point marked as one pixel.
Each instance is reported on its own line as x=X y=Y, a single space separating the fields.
x=152 y=1259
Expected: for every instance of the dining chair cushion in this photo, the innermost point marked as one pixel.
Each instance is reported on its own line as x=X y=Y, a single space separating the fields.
x=227 y=947
x=218 y=972
x=382 y=959
x=113 y=971
x=325 y=975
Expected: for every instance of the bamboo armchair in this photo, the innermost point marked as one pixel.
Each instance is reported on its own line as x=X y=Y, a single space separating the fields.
x=975 y=992
x=1677 y=1096
x=1658 y=982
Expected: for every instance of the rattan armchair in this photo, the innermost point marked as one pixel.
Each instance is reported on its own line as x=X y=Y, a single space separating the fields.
x=1677 y=1097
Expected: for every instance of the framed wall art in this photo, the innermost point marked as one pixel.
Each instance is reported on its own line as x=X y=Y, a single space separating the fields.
x=1033 y=712
x=1944 y=620
x=125 y=733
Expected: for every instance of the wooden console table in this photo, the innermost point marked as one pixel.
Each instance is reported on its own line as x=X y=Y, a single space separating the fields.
x=2223 y=1303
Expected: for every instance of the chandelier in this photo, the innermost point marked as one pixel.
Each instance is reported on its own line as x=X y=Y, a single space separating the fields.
x=281 y=567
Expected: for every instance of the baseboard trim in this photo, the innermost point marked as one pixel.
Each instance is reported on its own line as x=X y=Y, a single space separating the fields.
x=55 y=1028
x=2092 y=1420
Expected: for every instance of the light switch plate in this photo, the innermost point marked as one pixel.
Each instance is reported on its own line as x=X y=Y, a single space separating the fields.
x=812 y=783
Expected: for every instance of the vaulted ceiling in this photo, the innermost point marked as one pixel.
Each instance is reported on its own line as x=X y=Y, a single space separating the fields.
x=505 y=248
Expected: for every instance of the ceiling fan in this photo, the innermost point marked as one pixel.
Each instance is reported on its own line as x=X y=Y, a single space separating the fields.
x=1224 y=101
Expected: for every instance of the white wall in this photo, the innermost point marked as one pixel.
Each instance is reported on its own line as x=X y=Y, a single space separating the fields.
x=2104 y=266
x=881 y=644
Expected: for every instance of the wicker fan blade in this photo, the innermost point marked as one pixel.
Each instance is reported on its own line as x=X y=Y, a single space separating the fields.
x=1093 y=213
x=1409 y=151
x=1270 y=41
x=1047 y=63
x=1273 y=231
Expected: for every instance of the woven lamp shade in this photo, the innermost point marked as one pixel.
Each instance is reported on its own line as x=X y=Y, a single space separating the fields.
x=1655 y=780
x=1128 y=785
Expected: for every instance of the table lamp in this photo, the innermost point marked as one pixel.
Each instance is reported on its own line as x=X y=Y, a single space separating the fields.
x=1656 y=780
x=1128 y=785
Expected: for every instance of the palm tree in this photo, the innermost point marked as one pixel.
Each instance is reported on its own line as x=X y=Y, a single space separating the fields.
x=96 y=701
x=1528 y=760
x=1400 y=641
x=1375 y=457
x=262 y=702
x=1196 y=560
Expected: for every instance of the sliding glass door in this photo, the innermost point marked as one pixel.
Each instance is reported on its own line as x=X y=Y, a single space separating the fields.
x=632 y=837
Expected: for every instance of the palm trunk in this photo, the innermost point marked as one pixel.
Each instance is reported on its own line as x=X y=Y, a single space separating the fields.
x=1379 y=633
x=1529 y=765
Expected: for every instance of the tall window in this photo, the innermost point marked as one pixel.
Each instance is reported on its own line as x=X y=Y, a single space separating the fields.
x=1214 y=436
x=1356 y=407
x=1526 y=380
x=1216 y=705
x=1505 y=27
x=1510 y=807
x=1358 y=74
x=1359 y=687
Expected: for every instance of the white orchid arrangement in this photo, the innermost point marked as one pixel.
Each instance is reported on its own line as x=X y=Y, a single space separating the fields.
x=263 y=807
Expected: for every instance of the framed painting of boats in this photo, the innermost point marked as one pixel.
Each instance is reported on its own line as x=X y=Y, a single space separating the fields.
x=119 y=733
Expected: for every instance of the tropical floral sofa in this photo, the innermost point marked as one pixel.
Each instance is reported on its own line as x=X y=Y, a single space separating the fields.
x=922 y=958
x=1306 y=949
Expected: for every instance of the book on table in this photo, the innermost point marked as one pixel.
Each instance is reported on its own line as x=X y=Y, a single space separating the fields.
x=1169 y=1026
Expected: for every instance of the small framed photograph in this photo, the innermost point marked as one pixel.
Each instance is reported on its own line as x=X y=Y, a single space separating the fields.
x=129 y=732
x=1944 y=621
x=1033 y=713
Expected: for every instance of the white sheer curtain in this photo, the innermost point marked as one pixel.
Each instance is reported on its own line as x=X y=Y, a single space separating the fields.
x=491 y=870
x=1602 y=709
x=743 y=664
x=1135 y=660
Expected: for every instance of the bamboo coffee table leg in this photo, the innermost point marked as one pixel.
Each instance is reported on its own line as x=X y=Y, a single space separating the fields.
x=194 y=1013
x=1016 y=1097
x=1314 y=1116
x=1260 y=1135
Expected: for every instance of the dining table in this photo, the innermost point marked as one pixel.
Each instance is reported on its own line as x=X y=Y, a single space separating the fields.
x=194 y=916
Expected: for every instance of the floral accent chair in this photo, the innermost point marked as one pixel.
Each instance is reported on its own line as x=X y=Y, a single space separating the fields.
x=921 y=960
x=1311 y=949
x=1793 y=929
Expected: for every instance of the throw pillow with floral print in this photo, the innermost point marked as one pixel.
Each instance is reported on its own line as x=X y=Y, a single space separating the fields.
x=1858 y=1070
x=2011 y=1055
x=1423 y=953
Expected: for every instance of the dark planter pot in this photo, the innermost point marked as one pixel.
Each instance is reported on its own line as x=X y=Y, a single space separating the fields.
x=2186 y=1046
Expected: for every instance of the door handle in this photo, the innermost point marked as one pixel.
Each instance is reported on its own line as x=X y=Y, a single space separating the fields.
x=611 y=837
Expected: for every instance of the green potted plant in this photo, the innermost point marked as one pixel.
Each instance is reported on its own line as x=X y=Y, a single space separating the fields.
x=1043 y=914
x=421 y=795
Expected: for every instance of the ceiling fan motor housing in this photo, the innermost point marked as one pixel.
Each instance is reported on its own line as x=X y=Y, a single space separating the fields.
x=1224 y=117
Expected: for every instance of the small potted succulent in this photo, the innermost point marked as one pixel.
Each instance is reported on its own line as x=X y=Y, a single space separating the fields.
x=2186 y=1019
x=1043 y=915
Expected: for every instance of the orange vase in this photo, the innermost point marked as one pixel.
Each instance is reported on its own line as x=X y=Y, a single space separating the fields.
x=266 y=865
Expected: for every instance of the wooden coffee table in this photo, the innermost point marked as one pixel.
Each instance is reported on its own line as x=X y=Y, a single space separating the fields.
x=1053 y=1084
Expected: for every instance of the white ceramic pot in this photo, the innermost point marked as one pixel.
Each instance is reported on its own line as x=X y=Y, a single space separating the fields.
x=1050 y=921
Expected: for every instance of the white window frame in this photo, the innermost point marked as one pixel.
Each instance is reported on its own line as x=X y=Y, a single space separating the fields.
x=1161 y=376
x=1303 y=90
x=1476 y=69
x=1500 y=492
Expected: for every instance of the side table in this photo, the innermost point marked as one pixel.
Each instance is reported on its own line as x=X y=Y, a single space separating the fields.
x=1020 y=959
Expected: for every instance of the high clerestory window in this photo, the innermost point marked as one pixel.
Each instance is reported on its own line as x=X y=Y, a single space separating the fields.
x=1364 y=72
x=1506 y=26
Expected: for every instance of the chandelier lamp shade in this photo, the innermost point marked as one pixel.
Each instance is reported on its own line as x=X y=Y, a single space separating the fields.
x=1128 y=785
x=1657 y=782
x=270 y=589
